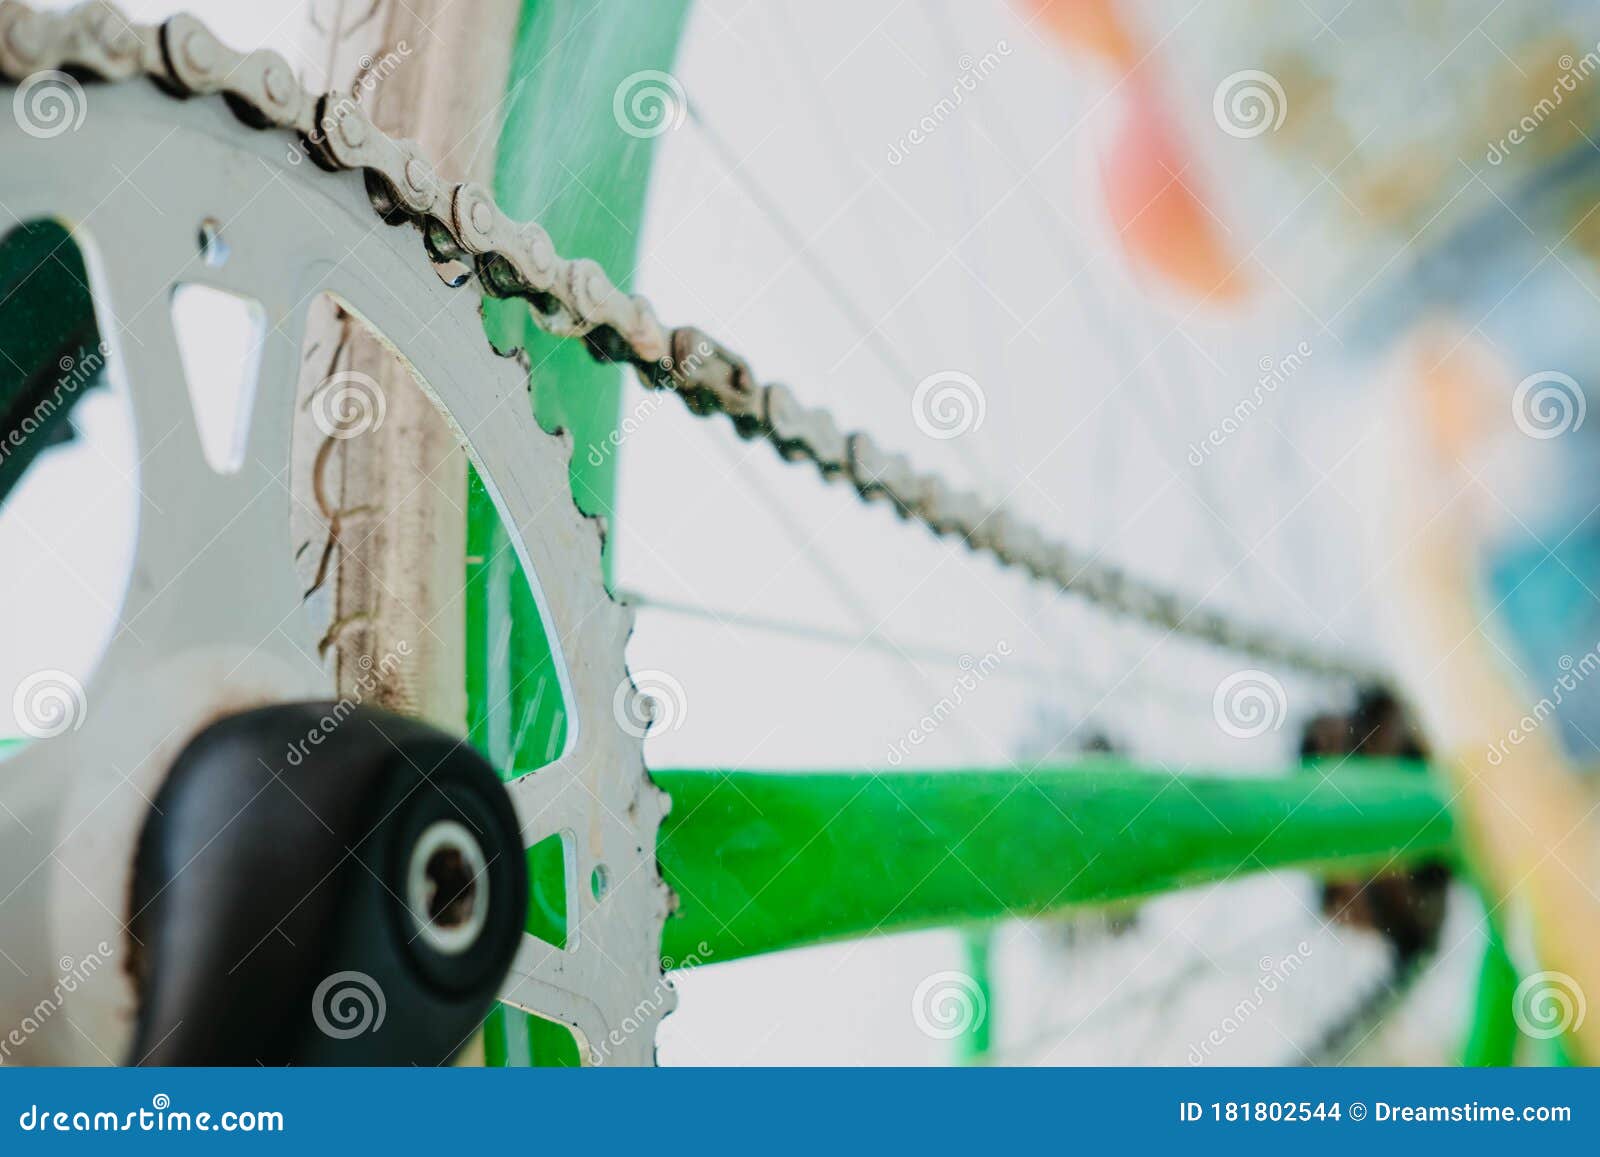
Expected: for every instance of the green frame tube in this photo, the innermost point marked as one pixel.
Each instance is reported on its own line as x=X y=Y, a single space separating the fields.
x=762 y=862
x=1491 y=1038
x=564 y=161
x=766 y=861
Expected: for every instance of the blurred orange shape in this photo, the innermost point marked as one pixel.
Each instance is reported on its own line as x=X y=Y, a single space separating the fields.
x=1091 y=26
x=1152 y=196
x=1153 y=199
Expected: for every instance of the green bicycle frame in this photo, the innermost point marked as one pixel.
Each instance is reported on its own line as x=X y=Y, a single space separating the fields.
x=763 y=862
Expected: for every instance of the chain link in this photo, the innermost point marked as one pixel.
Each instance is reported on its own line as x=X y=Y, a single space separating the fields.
x=575 y=298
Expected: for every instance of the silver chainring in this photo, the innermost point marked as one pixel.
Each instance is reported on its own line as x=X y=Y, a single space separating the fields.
x=214 y=619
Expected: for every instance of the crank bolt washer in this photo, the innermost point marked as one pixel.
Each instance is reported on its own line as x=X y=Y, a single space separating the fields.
x=447 y=887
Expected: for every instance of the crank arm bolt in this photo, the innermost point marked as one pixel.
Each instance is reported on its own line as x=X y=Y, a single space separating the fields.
x=323 y=884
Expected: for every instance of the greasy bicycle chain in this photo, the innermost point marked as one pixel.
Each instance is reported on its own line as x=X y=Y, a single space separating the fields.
x=575 y=298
